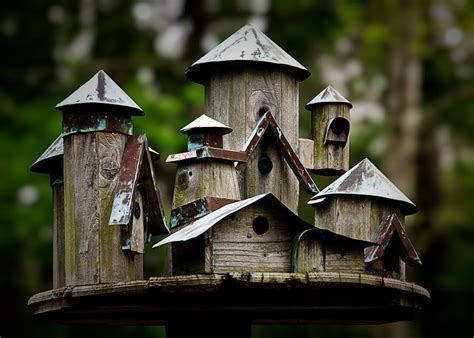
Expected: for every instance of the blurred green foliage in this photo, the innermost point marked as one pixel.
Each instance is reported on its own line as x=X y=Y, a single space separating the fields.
x=49 y=48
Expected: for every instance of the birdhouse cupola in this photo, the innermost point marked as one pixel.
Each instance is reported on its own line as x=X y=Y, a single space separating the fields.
x=244 y=77
x=206 y=177
x=330 y=126
x=205 y=132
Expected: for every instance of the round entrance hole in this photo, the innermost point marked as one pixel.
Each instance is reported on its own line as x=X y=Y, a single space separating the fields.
x=260 y=225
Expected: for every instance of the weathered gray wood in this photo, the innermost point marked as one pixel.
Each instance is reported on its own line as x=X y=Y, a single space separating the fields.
x=329 y=158
x=93 y=247
x=344 y=260
x=59 y=274
x=137 y=243
x=302 y=298
x=237 y=247
x=310 y=254
x=205 y=179
x=306 y=152
x=237 y=97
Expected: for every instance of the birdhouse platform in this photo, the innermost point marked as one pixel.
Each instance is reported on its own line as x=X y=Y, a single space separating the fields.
x=238 y=253
x=258 y=298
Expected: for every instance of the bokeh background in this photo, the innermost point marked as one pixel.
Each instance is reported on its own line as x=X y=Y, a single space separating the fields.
x=407 y=66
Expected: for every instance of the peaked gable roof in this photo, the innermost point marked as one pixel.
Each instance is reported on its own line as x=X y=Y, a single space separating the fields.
x=248 y=44
x=206 y=122
x=100 y=89
x=137 y=168
x=365 y=179
x=203 y=224
x=51 y=158
x=327 y=95
x=384 y=235
x=268 y=123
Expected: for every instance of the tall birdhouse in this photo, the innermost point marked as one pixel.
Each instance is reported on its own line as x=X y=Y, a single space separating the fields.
x=330 y=126
x=244 y=77
x=205 y=178
x=51 y=163
x=108 y=172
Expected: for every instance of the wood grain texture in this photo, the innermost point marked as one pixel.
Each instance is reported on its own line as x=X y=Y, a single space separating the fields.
x=236 y=246
x=329 y=158
x=59 y=273
x=310 y=254
x=93 y=248
x=344 y=260
x=306 y=152
x=137 y=243
x=238 y=97
x=195 y=180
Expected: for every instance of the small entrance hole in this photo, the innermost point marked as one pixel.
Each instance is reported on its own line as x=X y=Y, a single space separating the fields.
x=260 y=225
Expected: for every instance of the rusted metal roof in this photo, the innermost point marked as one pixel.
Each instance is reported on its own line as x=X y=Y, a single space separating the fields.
x=328 y=95
x=203 y=224
x=207 y=153
x=268 y=123
x=51 y=158
x=101 y=89
x=389 y=226
x=137 y=169
x=205 y=122
x=248 y=44
x=365 y=179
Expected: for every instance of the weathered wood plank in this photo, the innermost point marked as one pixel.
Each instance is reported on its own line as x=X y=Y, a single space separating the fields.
x=310 y=253
x=59 y=273
x=306 y=152
x=344 y=260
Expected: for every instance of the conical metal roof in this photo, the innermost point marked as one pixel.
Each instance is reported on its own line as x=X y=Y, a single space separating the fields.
x=365 y=179
x=101 y=89
x=50 y=158
x=328 y=95
x=248 y=44
x=205 y=122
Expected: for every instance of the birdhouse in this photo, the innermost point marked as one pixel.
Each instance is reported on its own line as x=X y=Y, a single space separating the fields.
x=51 y=162
x=393 y=244
x=244 y=77
x=357 y=202
x=250 y=235
x=104 y=244
x=330 y=126
x=205 y=178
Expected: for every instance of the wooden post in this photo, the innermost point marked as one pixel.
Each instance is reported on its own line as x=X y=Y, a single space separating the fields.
x=244 y=77
x=330 y=124
x=95 y=132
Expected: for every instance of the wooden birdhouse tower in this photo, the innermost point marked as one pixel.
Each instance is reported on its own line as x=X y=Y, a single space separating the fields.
x=205 y=178
x=51 y=162
x=244 y=77
x=330 y=126
x=108 y=173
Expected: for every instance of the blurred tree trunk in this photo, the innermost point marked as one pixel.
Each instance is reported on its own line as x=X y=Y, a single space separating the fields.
x=404 y=115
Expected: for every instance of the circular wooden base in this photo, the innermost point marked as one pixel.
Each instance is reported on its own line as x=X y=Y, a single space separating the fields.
x=256 y=297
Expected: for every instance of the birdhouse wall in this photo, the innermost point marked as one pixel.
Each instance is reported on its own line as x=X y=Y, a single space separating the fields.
x=329 y=158
x=93 y=248
x=197 y=179
x=59 y=277
x=344 y=259
x=238 y=97
x=356 y=217
x=256 y=239
x=309 y=256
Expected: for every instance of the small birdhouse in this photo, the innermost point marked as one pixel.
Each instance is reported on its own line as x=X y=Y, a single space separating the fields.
x=51 y=162
x=330 y=126
x=108 y=172
x=205 y=178
x=357 y=202
x=393 y=244
x=244 y=77
x=250 y=235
